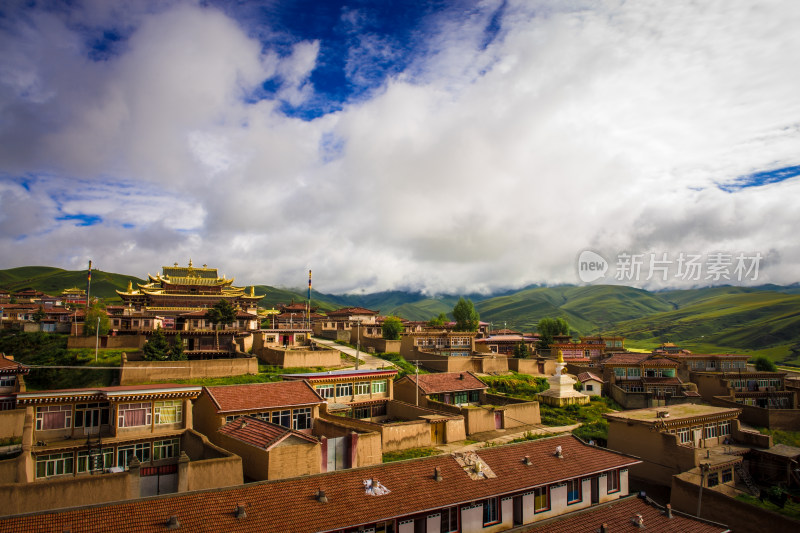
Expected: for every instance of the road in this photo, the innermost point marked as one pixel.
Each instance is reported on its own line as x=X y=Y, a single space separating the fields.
x=369 y=361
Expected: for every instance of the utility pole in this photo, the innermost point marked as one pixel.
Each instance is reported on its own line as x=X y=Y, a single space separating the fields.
x=96 y=339
x=703 y=470
x=416 y=380
x=358 y=342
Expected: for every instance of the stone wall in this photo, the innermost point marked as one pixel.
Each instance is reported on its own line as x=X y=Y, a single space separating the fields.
x=719 y=507
x=380 y=345
x=295 y=357
x=146 y=371
x=117 y=342
x=784 y=419
x=11 y=423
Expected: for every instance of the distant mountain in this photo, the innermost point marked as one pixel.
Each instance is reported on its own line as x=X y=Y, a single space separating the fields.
x=713 y=319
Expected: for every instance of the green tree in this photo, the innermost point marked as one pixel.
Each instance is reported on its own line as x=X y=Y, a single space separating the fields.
x=466 y=317
x=392 y=328
x=548 y=328
x=221 y=313
x=176 y=352
x=90 y=322
x=522 y=350
x=157 y=347
x=39 y=315
x=764 y=364
x=439 y=321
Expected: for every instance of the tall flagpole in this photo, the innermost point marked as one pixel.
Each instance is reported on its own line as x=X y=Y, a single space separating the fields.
x=308 y=303
x=89 y=284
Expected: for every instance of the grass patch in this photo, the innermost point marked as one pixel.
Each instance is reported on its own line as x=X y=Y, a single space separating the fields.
x=9 y=441
x=593 y=425
x=790 y=508
x=522 y=386
x=789 y=438
x=529 y=435
x=413 y=453
x=401 y=363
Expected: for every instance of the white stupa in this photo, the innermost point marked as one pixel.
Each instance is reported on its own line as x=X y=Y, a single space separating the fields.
x=562 y=390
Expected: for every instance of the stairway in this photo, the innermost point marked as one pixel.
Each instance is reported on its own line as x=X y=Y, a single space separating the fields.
x=745 y=477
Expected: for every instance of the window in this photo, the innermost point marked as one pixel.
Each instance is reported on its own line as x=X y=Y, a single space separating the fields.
x=169 y=411
x=711 y=431
x=612 y=481
x=727 y=476
x=231 y=418
x=541 y=499
x=362 y=387
x=97 y=460
x=713 y=479
x=491 y=514
x=281 y=418
x=91 y=414
x=684 y=436
x=134 y=414
x=589 y=387
x=301 y=418
x=379 y=410
x=573 y=491
x=460 y=397
x=326 y=391
x=164 y=449
x=619 y=371
x=8 y=381
x=344 y=389
x=57 y=464
x=449 y=520
x=53 y=417
x=379 y=386
x=126 y=453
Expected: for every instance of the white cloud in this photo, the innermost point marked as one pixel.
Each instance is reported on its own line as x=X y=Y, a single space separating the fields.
x=606 y=126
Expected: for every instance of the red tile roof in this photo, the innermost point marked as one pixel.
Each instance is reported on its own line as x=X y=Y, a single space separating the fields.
x=626 y=359
x=447 y=382
x=617 y=516
x=586 y=376
x=289 y=505
x=256 y=396
x=352 y=311
x=259 y=433
x=8 y=364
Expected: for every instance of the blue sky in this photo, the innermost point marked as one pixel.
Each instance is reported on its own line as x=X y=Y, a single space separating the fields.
x=445 y=146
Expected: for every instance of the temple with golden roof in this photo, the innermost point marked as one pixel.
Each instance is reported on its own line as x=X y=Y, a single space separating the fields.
x=184 y=289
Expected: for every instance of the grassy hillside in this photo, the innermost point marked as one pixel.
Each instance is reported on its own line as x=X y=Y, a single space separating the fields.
x=725 y=321
x=54 y=280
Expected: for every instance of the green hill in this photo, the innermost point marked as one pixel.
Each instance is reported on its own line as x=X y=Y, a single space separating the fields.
x=54 y=280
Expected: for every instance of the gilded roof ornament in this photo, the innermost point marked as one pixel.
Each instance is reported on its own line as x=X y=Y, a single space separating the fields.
x=560 y=356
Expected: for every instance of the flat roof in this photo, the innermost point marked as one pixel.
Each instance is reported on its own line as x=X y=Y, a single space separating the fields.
x=676 y=412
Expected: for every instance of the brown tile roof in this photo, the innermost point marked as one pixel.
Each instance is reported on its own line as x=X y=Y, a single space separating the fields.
x=661 y=381
x=255 y=396
x=289 y=505
x=617 y=516
x=586 y=376
x=352 y=311
x=8 y=364
x=447 y=382
x=626 y=359
x=260 y=433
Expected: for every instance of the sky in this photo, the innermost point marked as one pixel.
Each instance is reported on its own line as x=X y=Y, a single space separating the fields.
x=444 y=146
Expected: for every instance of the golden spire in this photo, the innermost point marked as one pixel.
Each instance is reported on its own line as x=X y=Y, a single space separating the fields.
x=190 y=262
x=252 y=290
x=560 y=356
x=130 y=286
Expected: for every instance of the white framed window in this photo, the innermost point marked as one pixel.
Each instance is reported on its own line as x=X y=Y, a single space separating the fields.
x=164 y=449
x=98 y=461
x=344 y=389
x=8 y=381
x=634 y=372
x=134 y=414
x=684 y=436
x=56 y=464
x=169 y=411
x=301 y=418
x=362 y=387
x=326 y=391
x=449 y=520
x=282 y=418
x=125 y=453
x=53 y=417
x=711 y=431
x=379 y=386
x=619 y=371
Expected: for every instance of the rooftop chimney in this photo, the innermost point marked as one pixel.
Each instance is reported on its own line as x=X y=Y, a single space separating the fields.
x=604 y=528
x=638 y=521
x=527 y=461
x=239 y=512
x=321 y=498
x=437 y=474
x=558 y=452
x=461 y=376
x=173 y=522
x=668 y=511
